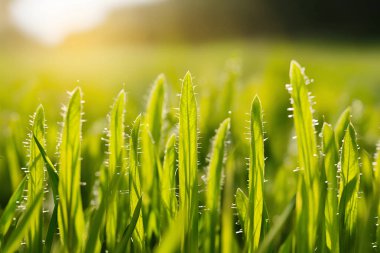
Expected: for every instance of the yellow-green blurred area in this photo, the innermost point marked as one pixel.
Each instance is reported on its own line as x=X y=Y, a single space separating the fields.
x=345 y=73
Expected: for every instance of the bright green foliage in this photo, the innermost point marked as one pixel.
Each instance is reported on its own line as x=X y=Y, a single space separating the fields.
x=153 y=116
x=341 y=126
x=188 y=164
x=242 y=208
x=172 y=238
x=228 y=241
x=366 y=178
x=377 y=190
x=331 y=159
x=256 y=176
x=53 y=181
x=70 y=212
x=366 y=211
x=168 y=179
x=126 y=237
x=36 y=167
x=151 y=166
x=10 y=210
x=93 y=243
x=213 y=193
x=308 y=194
x=348 y=188
x=133 y=206
x=116 y=155
x=282 y=223
x=134 y=179
x=24 y=224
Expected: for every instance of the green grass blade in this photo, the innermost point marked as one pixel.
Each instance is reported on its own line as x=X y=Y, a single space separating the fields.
x=242 y=207
x=349 y=186
x=367 y=205
x=171 y=240
x=134 y=178
x=188 y=164
x=228 y=241
x=367 y=176
x=341 y=126
x=26 y=221
x=36 y=168
x=308 y=200
x=151 y=136
x=331 y=159
x=52 y=172
x=153 y=117
x=53 y=181
x=131 y=227
x=53 y=224
x=256 y=176
x=280 y=224
x=213 y=192
x=116 y=154
x=70 y=213
x=93 y=243
x=9 y=211
x=168 y=180
x=376 y=173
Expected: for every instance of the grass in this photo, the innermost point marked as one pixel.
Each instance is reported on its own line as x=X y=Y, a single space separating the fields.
x=153 y=192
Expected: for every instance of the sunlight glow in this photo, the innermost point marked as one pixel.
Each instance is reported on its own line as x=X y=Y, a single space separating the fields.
x=51 y=21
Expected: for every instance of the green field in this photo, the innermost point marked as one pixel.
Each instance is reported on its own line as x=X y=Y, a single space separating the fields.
x=286 y=196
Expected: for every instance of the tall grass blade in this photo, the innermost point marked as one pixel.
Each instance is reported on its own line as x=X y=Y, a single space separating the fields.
x=213 y=192
x=168 y=180
x=366 y=224
x=308 y=200
x=70 y=213
x=188 y=164
x=134 y=179
x=53 y=182
x=256 y=176
x=151 y=136
x=36 y=178
x=348 y=187
x=228 y=241
x=52 y=172
x=331 y=159
x=116 y=154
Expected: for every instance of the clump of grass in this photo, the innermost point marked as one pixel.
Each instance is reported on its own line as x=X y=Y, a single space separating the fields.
x=151 y=198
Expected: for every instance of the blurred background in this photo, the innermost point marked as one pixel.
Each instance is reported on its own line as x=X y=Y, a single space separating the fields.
x=234 y=50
